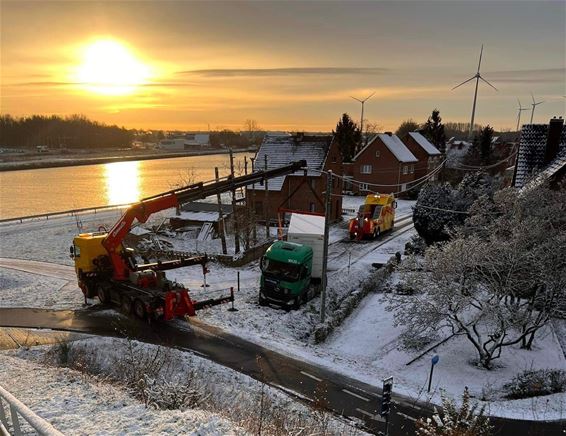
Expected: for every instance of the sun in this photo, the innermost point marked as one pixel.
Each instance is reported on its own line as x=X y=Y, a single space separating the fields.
x=109 y=67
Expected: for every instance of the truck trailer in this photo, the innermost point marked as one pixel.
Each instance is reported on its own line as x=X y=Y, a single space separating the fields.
x=292 y=269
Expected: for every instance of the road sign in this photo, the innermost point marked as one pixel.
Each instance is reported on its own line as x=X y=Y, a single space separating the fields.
x=435 y=359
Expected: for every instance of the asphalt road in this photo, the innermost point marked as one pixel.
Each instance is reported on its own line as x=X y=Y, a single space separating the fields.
x=307 y=382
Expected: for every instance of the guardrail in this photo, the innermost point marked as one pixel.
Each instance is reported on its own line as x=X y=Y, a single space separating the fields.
x=71 y=212
x=17 y=410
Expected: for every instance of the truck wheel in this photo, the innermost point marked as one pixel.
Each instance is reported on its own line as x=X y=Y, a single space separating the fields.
x=297 y=302
x=139 y=309
x=352 y=236
x=126 y=305
x=103 y=294
x=376 y=233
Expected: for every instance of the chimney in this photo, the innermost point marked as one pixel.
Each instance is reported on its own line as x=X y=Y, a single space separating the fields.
x=300 y=136
x=553 y=139
x=389 y=133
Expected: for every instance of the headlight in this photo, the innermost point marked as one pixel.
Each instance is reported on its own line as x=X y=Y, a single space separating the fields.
x=366 y=219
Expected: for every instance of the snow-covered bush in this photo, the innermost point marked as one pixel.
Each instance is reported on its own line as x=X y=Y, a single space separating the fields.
x=416 y=245
x=465 y=420
x=532 y=383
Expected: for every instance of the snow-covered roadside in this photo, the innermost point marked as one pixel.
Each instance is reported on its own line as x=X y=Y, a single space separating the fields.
x=78 y=396
x=77 y=404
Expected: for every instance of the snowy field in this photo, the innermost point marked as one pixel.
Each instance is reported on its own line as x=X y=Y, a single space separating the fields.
x=365 y=347
x=69 y=399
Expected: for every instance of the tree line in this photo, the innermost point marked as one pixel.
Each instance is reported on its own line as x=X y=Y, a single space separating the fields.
x=75 y=131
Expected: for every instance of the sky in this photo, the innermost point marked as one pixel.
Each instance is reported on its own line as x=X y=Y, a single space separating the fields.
x=290 y=65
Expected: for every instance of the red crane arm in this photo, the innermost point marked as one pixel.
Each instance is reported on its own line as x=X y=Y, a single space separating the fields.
x=140 y=211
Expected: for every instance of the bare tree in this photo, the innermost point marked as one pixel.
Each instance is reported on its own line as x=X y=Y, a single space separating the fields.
x=500 y=278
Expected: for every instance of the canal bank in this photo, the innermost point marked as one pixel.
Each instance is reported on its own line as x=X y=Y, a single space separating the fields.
x=58 y=161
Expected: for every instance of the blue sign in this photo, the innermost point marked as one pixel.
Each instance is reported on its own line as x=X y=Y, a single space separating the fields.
x=435 y=359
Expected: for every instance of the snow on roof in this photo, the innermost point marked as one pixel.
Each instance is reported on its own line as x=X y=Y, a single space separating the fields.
x=531 y=154
x=306 y=224
x=424 y=143
x=396 y=146
x=283 y=150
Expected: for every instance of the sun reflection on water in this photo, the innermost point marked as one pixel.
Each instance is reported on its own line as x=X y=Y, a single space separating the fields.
x=122 y=182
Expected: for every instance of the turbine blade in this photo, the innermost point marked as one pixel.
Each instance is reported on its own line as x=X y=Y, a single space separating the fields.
x=533 y=97
x=471 y=78
x=370 y=96
x=520 y=107
x=357 y=99
x=479 y=63
x=488 y=83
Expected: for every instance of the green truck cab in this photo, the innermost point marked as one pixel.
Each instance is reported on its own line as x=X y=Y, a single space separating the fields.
x=286 y=275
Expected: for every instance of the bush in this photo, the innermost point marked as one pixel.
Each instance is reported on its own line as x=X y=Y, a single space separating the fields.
x=534 y=383
x=416 y=245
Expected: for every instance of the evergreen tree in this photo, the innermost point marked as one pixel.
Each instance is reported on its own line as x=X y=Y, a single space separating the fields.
x=348 y=136
x=481 y=151
x=434 y=131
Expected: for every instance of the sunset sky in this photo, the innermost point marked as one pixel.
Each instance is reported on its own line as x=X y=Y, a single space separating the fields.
x=288 y=65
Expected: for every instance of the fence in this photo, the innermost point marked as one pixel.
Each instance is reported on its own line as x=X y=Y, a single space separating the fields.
x=72 y=212
x=20 y=410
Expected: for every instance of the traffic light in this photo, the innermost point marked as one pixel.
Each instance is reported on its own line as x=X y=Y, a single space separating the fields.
x=386 y=397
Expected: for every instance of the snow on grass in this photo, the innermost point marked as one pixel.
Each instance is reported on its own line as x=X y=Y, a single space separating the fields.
x=22 y=289
x=235 y=397
x=77 y=404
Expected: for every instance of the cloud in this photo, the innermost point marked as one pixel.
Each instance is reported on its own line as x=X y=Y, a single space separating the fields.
x=545 y=75
x=300 y=71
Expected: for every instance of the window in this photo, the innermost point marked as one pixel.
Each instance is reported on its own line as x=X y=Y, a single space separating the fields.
x=365 y=169
x=311 y=207
x=363 y=186
x=405 y=169
x=412 y=168
x=313 y=184
x=377 y=153
x=259 y=208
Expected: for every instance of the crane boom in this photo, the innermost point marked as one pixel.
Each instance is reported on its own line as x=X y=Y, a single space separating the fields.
x=142 y=210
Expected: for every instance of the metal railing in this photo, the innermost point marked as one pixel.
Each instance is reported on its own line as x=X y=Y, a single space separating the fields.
x=19 y=410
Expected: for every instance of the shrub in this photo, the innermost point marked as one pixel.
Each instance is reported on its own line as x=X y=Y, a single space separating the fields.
x=533 y=383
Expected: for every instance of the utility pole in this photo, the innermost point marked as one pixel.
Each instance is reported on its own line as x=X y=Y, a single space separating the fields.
x=265 y=207
x=221 y=226
x=254 y=228
x=234 y=212
x=325 y=249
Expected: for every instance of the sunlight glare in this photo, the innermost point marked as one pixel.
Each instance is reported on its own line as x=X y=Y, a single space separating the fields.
x=110 y=68
x=122 y=182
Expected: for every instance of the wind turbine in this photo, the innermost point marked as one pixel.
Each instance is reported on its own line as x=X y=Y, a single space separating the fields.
x=519 y=110
x=362 y=118
x=534 y=104
x=478 y=77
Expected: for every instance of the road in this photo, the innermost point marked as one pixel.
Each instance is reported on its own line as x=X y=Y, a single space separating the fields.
x=308 y=382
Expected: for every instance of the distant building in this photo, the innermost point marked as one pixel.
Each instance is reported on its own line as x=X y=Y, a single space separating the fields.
x=542 y=154
x=189 y=141
x=304 y=189
x=428 y=155
x=384 y=165
x=456 y=151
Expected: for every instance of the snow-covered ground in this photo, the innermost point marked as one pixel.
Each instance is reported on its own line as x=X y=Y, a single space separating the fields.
x=69 y=399
x=365 y=347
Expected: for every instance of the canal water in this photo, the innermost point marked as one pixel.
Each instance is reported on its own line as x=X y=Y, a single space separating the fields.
x=48 y=190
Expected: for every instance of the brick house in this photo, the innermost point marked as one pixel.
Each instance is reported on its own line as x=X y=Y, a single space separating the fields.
x=302 y=190
x=428 y=155
x=385 y=162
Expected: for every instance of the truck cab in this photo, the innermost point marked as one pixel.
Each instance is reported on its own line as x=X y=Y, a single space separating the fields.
x=286 y=274
x=375 y=216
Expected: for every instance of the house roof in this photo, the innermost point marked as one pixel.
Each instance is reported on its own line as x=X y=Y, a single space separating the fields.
x=556 y=165
x=283 y=150
x=532 y=147
x=424 y=143
x=395 y=146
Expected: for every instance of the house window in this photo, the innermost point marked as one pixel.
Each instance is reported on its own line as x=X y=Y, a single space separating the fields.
x=377 y=153
x=348 y=183
x=365 y=169
x=259 y=208
x=363 y=186
x=313 y=184
x=412 y=168
x=311 y=207
x=405 y=169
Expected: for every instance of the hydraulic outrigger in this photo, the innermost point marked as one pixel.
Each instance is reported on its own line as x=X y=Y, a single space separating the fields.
x=106 y=269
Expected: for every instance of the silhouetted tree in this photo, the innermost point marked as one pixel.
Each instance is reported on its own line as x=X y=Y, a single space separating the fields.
x=434 y=131
x=406 y=126
x=481 y=151
x=348 y=136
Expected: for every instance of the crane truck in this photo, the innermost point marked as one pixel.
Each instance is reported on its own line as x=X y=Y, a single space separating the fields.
x=375 y=216
x=105 y=268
